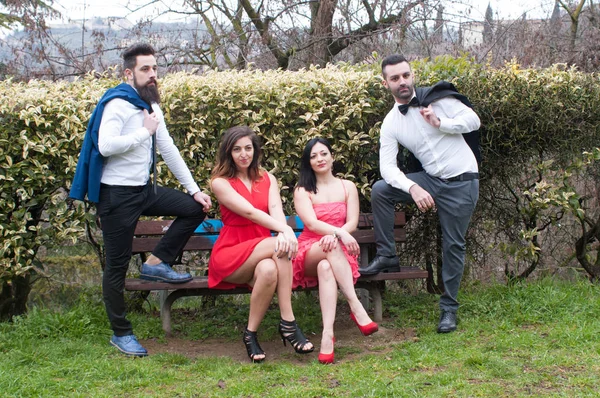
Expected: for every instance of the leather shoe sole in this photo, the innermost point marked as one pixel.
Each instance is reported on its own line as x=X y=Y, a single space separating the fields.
x=131 y=354
x=444 y=329
x=163 y=272
x=366 y=271
x=156 y=278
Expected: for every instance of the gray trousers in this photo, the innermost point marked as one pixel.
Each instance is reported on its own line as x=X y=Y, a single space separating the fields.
x=455 y=202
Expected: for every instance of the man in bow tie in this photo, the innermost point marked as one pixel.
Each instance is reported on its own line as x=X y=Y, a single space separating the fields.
x=448 y=183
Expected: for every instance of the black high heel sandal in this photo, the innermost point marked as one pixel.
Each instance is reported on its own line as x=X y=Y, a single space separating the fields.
x=251 y=342
x=290 y=331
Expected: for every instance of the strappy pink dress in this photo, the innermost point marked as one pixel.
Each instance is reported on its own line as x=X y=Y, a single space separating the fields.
x=333 y=213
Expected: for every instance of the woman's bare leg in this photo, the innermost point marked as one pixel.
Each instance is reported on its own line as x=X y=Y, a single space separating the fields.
x=343 y=276
x=328 y=292
x=260 y=272
x=263 y=288
x=266 y=250
x=245 y=273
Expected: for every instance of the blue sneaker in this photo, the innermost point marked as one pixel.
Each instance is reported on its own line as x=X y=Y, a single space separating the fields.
x=128 y=345
x=163 y=273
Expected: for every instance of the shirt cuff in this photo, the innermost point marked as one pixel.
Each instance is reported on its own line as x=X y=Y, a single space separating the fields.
x=443 y=124
x=406 y=185
x=403 y=184
x=193 y=189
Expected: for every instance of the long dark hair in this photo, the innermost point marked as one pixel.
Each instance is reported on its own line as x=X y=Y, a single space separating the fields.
x=307 y=178
x=225 y=167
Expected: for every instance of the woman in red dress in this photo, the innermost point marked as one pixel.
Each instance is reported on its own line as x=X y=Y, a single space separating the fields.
x=245 y=252
x=327 y=251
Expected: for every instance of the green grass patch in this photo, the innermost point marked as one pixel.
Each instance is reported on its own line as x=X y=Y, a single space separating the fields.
x=530 y=339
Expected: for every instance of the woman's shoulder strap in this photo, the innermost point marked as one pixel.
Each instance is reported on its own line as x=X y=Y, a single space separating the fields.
x=345 y=191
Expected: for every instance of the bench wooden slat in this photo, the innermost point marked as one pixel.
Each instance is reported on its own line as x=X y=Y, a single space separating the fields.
x=147 y=244
x=365 y=220
x=159 y=227
x=206 y=242
x=214 y=226
x=366 y=236
x=405 y=273
x=201 y=282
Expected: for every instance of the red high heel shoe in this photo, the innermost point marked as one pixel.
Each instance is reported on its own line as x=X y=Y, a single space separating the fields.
x=327 y=358
x=366 y=330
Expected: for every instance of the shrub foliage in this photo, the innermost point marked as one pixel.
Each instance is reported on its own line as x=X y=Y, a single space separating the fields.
x=527 y=115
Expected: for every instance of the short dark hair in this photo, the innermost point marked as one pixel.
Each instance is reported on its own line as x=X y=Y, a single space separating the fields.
x=393 y=59
x=307 y=178
x=131 y=53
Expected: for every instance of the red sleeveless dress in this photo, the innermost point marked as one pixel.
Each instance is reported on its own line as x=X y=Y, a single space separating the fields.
x=333 y=213
x=239 y=235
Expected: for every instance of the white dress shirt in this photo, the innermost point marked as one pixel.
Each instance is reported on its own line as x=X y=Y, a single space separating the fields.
x=127 y=147
x=442 y=151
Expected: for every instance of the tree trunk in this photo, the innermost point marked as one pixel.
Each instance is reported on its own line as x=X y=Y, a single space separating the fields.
x=262 y=26
x=574 y=16
x=321 y=28
x=14 y=296
x=581 y=250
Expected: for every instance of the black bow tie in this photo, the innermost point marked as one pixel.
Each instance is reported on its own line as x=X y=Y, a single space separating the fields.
x=404 y=107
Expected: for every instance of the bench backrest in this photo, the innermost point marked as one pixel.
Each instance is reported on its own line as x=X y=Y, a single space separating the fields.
x=148 y=233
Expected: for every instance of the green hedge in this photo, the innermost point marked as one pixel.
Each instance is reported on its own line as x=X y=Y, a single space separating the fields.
x=526 y=114
x=287 y=109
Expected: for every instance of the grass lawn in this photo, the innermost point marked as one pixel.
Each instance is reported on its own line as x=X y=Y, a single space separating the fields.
x=531 y=339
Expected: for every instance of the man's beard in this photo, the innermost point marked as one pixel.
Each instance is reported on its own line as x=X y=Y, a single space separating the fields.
x=405 y=96
x=148 y=93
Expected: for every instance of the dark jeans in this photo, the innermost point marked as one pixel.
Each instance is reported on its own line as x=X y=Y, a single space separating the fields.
x=455 y=202
x=119 y=209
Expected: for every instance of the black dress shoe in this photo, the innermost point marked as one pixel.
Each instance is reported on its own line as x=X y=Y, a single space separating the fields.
x=447 y=322
x=381 y=264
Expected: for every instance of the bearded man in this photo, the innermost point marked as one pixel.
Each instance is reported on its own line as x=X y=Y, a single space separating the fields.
x=119 y=149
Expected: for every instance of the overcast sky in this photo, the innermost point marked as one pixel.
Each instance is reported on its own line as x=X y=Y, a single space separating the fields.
x=78 y=9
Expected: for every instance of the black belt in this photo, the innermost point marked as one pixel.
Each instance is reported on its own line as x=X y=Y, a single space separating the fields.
x=126 y=188
x=462 y=177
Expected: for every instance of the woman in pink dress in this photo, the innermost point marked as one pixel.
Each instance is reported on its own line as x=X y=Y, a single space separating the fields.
x=245 y=252
x=327 y=251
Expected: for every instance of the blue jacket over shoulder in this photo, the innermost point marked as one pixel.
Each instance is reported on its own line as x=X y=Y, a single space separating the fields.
x=89 y=166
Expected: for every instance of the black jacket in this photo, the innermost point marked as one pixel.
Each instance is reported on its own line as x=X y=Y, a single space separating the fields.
x=427 y=95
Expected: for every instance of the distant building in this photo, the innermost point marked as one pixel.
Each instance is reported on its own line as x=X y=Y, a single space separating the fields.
x=471 y=33
x=114 y=23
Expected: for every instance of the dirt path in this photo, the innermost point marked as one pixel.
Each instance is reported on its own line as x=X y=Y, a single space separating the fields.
x=349 y=343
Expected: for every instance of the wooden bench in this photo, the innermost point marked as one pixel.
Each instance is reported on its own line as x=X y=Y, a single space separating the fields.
x=148 y=233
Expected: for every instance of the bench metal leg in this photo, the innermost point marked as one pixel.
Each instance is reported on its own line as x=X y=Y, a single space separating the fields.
x=162 y=297
x=363 y=295
x=375 y=294
x=165 y=309
x=371 y=287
